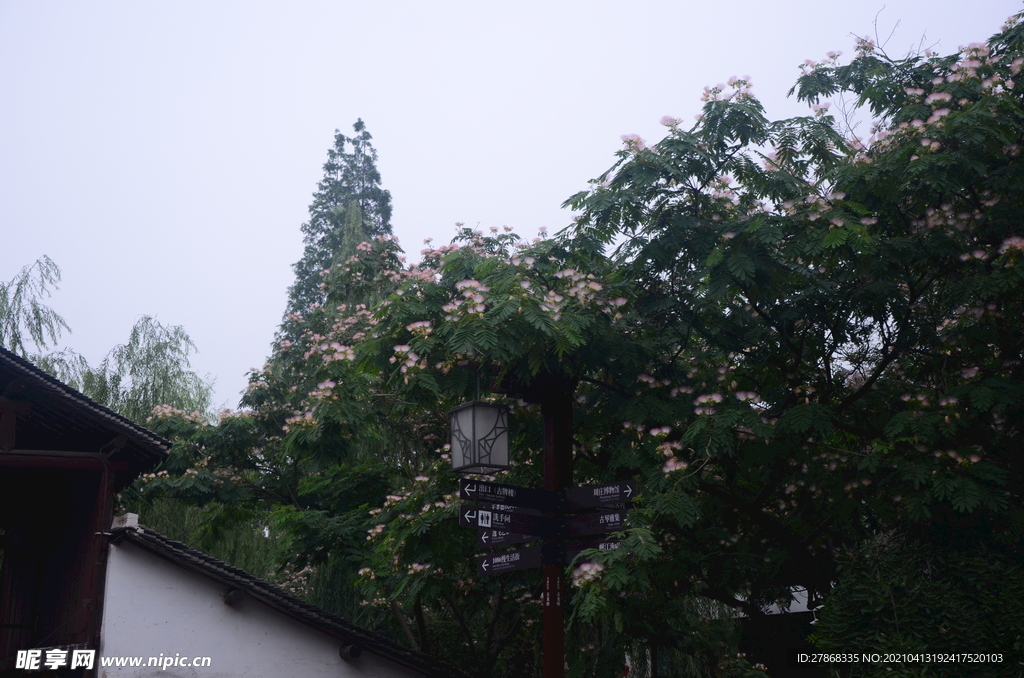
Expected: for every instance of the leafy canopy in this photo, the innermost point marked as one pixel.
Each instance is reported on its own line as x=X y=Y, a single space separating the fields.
x=802 y=344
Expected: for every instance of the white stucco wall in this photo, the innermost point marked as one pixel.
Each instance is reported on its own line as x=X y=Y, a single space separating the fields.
x=153 y=606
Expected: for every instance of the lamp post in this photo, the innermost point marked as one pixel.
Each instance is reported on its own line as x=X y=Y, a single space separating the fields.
x=556 y=410
x=479 y=440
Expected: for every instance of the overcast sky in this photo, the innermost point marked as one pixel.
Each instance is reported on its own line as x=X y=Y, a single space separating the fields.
x=164 y=154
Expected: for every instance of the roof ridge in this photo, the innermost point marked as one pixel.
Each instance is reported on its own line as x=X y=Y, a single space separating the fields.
x=52 y=383
x=271 y=593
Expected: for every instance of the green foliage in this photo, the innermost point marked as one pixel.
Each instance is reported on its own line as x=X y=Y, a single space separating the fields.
x=793 y=340
x=24 y=316
x=228 y=532
x=902 y=595
x=148 y=371
x=844 y=312
x=349 y=207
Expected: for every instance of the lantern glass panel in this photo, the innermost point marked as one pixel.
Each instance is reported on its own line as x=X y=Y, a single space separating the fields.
x=479 y=437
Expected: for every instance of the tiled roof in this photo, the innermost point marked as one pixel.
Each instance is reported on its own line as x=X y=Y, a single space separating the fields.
x=285 y=603
x=61 y=418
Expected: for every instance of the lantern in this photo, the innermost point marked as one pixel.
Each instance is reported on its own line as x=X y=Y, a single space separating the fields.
x=479 y=437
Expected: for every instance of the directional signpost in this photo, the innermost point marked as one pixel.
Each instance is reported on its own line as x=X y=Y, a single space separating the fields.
x=511 y=509
x=534 y=556
x=510 y=561
x=509 y=514
x=527 y=499
x=539 y=526
x=597 y=496
x=573 y=549
x=496 y=493
x=492 y=538
x=548 y=527
x=588 y=524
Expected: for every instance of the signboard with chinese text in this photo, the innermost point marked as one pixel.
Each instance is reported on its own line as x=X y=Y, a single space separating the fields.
x=510 y=561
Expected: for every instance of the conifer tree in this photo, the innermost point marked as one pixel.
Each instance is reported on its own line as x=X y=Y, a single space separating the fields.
x=348 y=208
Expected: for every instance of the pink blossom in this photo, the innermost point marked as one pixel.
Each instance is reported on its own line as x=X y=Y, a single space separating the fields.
x=585 y=573
x=1012 y=243
x=673 y=465
x=634 y=142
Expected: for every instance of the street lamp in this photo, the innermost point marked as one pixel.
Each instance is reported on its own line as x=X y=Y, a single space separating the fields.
x=479 y=437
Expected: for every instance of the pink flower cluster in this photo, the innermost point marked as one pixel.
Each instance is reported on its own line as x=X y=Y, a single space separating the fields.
x=408 y=358
x=472 y=302
x=585 y=573
x=634 y=142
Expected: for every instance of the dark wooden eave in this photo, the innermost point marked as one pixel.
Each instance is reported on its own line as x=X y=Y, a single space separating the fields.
x=46 y=423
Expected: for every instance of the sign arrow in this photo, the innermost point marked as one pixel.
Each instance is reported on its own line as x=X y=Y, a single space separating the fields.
x=510 y=495
x=546 y=527
x=490 y=538
x=599 y=496
x=545 y=501
x=558 y=553
x=509 y=561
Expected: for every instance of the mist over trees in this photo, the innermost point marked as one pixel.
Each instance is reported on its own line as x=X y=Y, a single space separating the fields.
x=803 y=345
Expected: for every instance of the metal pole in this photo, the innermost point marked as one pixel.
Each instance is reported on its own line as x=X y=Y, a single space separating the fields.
x=557 y=412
